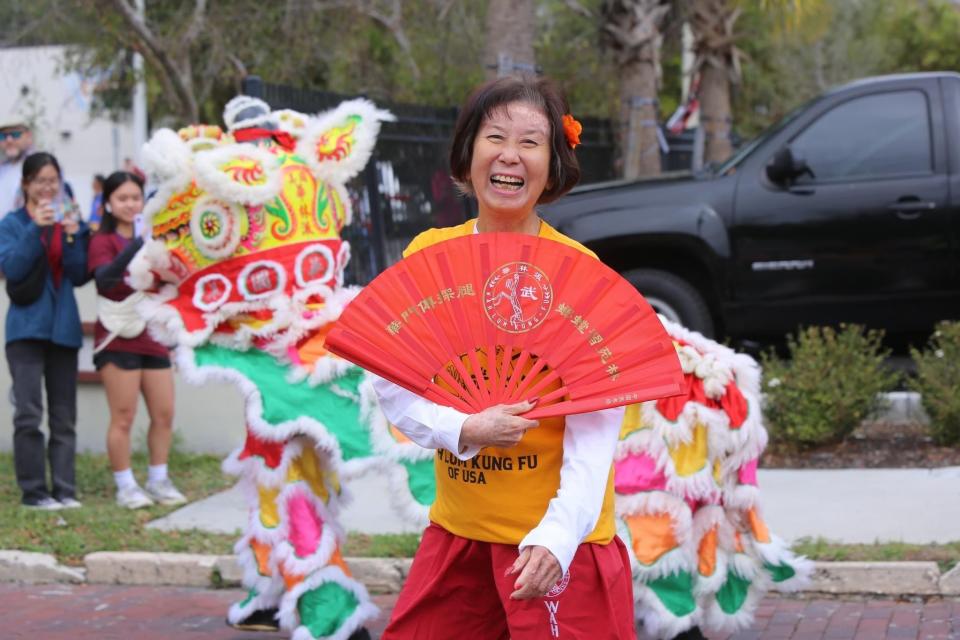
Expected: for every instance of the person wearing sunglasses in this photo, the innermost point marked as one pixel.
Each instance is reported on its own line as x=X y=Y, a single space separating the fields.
x=16 y=141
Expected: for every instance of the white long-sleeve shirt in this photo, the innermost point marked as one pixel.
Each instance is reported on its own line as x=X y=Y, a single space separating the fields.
x=589 y=440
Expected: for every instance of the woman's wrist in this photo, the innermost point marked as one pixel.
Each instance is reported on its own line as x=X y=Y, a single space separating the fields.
x=466 y=432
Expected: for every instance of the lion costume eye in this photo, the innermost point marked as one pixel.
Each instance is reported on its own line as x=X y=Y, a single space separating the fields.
x=215 y=227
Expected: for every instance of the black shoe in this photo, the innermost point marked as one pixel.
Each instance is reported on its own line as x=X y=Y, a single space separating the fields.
x=259 y=620
x=360 y=634
x=693 y=633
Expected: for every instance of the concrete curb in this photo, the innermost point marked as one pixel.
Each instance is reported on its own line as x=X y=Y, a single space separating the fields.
x=877 y=578
x=386 y=575
x=35 y=568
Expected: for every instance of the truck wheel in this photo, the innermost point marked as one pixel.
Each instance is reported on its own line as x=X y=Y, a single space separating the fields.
x=674 y=298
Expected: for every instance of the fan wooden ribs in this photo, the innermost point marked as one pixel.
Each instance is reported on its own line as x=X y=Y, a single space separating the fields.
x=498 y=318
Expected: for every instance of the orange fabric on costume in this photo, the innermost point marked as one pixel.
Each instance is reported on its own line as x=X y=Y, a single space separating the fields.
x=651 y=536
x=398 y=435
x=290 y=579
x=708 y=553
x=261 y=552
x=312 y=349
x=758 y=526
x=336 y=559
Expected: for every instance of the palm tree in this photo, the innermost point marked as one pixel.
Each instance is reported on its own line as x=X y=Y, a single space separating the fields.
x=631 y=29
x=718 y=60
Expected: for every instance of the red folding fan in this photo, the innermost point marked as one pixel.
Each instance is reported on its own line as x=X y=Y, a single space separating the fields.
x=498 y=318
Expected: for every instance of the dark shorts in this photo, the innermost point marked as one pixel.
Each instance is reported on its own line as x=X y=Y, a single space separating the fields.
x=130 y=361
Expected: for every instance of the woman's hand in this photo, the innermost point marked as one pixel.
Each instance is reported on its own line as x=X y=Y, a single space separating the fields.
x=539 y=570
x=43 y=215
x=498 y=426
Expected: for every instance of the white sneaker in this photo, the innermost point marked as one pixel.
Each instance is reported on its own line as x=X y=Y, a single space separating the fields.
x=133 y=498
x=164 y=492
x=45 y=504
x=70 y=503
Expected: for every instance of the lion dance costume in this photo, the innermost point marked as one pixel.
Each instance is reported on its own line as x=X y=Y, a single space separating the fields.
x=687 y=500
x=247 y=252
x=244 y=271
x=687 y=497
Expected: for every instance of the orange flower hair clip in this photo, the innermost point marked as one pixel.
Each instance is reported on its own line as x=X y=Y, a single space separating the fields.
x=572 y=129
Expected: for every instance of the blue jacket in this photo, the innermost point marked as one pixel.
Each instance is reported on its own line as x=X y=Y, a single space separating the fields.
x=54 y=315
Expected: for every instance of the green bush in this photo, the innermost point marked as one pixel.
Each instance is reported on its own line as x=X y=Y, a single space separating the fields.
x=938 y=381
x=827 y=386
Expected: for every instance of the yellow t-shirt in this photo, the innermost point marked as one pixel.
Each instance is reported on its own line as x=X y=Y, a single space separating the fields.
x=500 y=494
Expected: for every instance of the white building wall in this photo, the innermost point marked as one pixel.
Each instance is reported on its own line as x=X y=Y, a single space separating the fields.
x=57 y=104
x=208 y=419
x=32 y=87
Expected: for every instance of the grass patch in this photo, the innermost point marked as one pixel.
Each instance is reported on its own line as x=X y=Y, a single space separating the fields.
x=381 y=545
x=945 y=555
x=103 y=526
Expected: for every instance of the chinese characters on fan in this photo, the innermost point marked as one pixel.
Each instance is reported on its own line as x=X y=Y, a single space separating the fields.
x=593 y=339
x=421 y=307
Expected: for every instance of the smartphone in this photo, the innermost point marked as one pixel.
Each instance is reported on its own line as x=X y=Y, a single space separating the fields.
x=58 y=209
x=63 y=208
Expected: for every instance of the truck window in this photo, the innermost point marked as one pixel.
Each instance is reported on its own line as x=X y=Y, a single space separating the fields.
x=876 y=136
x=744 y=152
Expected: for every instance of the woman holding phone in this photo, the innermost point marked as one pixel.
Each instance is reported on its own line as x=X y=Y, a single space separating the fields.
x=43 y=253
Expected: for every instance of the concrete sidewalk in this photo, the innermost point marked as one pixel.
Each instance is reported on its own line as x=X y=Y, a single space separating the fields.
x=847 y=505
x=370 y=511
x=863 y=505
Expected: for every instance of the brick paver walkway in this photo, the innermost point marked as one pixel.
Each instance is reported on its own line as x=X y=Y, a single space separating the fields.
x=800 y=619
x=101 y=612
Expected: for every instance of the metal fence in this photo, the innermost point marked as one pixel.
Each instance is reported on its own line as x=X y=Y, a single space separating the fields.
x=406 y=187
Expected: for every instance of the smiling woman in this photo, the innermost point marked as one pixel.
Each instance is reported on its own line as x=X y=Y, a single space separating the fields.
x=528 y=551
x=129 y=360
x=511 y=162
x=42 y=245
x=510 y=150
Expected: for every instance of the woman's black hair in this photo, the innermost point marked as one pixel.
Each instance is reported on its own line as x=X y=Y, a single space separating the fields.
x=108 y=223
x=34 y=162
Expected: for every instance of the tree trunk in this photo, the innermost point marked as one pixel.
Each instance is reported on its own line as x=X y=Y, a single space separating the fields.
x=718 y=60
x=509 y=42
x=638 y=114
x=715 y=113
x=631 y=30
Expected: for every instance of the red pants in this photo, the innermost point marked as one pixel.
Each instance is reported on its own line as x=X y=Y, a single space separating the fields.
x=456 y=590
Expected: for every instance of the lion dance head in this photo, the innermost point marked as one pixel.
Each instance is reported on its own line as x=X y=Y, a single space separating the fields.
x=244 y=243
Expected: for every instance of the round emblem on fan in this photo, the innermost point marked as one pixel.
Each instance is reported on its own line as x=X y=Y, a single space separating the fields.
x=517 y=297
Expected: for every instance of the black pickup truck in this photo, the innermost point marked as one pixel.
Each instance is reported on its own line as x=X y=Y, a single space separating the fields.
x=847 y=210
